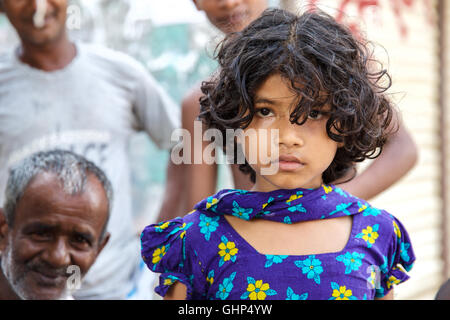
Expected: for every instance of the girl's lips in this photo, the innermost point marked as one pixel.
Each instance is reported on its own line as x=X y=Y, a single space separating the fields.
x=289 y=163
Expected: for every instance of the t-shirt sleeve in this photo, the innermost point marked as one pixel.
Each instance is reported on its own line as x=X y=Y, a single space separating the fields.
x=398 y=261
x=163 y=249
x=155 y=111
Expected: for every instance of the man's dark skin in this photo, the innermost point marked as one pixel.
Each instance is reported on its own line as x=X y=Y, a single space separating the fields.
x=51 y=231
x=48 y=48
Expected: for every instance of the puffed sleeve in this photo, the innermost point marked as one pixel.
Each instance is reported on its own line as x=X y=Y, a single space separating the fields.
x=163 y=249
x=398 y=261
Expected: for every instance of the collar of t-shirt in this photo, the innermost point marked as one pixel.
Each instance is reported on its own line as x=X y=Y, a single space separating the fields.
x=47 y=74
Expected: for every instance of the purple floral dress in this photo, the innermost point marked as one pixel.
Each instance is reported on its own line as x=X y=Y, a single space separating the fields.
x=202 y=250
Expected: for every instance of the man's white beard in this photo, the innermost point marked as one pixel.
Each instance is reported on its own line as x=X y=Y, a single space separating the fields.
x=8 y=269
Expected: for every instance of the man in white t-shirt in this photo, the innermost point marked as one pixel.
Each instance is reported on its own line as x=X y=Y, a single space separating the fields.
x=89 y=100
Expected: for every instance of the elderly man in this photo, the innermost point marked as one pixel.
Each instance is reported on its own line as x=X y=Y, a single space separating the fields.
x=55 y=93
x=53 y=224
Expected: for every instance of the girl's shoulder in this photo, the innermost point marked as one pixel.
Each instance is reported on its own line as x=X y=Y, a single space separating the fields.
x=168 y=232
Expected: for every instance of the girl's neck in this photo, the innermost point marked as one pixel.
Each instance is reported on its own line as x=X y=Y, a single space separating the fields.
x=263 y=184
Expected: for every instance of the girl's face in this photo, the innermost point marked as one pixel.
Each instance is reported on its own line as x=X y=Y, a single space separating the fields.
x=301 y=153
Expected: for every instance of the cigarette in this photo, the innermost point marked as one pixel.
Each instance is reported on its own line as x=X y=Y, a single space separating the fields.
x=39 y=15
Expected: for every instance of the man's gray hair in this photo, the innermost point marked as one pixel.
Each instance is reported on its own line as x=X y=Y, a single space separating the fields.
x=70 y=168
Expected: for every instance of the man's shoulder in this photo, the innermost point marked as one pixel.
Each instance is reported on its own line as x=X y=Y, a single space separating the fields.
x=7 y=61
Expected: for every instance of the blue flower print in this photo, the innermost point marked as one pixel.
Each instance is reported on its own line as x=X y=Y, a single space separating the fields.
x=340 y=191
x=271 y=259
x=241 y=212
x=404 y=251
x=208 y=225
x=211 y=203
x=225 y=287
x=290 y=295
x=384 y=266
x=342 y=207
x=352 y=261
x=312 y=267
x=298 y=207
x=210 y=277
x=371 y=211
x=287 y=220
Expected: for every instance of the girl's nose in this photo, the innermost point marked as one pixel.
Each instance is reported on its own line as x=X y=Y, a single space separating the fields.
x=290 y=135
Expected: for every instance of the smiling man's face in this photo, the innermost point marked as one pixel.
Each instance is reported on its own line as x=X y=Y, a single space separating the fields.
x=51 y=231
x=21 y=12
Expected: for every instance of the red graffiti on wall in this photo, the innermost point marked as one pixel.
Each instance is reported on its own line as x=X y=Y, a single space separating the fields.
x=397 y=6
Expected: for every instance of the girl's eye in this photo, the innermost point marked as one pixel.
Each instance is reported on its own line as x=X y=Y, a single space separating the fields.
x=264 y=112
x=315 y=115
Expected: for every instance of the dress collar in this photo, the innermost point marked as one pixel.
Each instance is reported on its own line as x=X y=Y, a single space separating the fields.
x=288 y=206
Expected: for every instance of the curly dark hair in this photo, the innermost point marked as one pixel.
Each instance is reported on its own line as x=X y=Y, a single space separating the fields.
x=316 y=55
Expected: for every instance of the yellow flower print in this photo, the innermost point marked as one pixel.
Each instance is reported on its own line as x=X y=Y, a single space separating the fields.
x=227 y=251
x=158 y=254
x=184 y=232
x=392 y=280
x=168 y=282
x=397 y=230
x=342 y=293
x=257 y=290
x=327 y=189
x=210 y=277
x=293 y=197
x=362 y=208
x=211 y=202
x=163 y=225
x=370 y=234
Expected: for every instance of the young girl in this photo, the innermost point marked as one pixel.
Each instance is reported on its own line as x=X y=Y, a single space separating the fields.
x=293 y=236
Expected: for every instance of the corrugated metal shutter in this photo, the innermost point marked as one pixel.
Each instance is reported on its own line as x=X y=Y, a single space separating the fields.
x=446 y=126
x=413 y=62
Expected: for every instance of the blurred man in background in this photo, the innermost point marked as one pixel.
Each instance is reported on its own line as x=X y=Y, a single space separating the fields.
x=53 y=224
x=58 y=94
